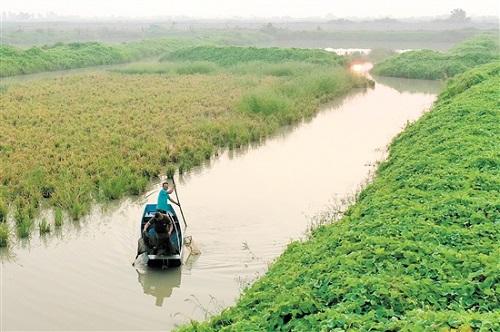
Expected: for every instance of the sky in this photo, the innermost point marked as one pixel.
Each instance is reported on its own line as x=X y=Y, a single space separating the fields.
x=252 y=8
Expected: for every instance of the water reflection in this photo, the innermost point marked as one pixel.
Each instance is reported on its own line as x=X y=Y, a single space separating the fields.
x=410 y=85
x=159 y=283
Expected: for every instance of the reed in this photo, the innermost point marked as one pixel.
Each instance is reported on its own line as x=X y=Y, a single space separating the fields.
x=4 y=235
x=58 y=217
x=44 y=227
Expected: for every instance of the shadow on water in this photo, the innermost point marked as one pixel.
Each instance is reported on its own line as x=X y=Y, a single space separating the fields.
x=159 y=283
x=410 y=85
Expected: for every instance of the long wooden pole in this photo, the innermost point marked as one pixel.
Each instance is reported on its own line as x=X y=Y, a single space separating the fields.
x=178 y=201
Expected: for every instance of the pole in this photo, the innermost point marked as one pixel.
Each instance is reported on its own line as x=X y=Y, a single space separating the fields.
x=178 y=201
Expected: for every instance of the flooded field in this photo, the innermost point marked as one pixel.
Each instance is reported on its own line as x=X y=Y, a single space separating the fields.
x=242 y=210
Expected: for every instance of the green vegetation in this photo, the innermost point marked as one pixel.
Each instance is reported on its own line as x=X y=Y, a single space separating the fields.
x=4 y=235
x=417 y=252
x=69 y=141
x=4 y=229
x=58 y=217
x=185 y=68
x=427 y=64
x=44 y=227
x=77 y=55
x=3 y=212
x=227 y=56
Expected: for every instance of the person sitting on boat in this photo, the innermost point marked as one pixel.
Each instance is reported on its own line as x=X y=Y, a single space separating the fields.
x=163 y=205
x=162 y=227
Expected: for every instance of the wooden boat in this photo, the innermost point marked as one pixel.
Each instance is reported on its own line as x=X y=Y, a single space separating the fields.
x=160 y=256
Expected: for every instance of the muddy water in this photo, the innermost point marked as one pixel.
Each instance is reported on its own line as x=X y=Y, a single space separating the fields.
x=242 y=210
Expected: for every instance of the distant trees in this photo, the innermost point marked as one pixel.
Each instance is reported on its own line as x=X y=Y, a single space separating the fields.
x=269 y=28
x=458 y=15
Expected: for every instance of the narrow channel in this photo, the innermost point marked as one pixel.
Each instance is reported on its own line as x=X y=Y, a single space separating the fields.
x=242 y=210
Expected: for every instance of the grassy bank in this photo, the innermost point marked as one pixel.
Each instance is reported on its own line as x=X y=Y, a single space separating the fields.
x=427 y=64
x=417 y=252
x=61 y=56
x=69 y=141
x=227 y=56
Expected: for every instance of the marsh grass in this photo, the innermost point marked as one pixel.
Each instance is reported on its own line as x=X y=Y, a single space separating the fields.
x=44 y=227
x=24 y=228
x=58 y=217
x=4 y=235
x=3 y=212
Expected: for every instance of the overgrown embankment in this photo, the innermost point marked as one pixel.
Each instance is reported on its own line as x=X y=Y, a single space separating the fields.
x=69 y=141
x=15 y=61
x=427 y=64
x=417 y=252
x=227 y=56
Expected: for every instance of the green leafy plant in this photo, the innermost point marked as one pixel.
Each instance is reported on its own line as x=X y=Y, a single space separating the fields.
x=418 y=251
x=427 y=64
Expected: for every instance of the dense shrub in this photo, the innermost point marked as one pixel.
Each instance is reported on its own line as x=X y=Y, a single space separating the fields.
x=427 y=64
x=417 y=252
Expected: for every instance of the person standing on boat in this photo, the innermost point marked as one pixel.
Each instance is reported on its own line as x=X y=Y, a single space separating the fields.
x=163 y=205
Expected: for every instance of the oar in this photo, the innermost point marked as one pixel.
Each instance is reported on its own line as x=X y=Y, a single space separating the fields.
x=178 y=201
x=191 y=244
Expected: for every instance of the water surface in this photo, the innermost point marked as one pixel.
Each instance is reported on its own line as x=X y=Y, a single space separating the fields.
x=242 y=210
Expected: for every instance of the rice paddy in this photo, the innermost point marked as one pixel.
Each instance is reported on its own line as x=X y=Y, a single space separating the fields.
x=70 y=141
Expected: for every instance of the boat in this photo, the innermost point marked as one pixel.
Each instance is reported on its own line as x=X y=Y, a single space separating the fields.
x=161 y=257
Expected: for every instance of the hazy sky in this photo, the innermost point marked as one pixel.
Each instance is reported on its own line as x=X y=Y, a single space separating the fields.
x=248 y=8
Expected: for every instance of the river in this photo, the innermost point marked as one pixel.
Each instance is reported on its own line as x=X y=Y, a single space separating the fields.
x=242 y=210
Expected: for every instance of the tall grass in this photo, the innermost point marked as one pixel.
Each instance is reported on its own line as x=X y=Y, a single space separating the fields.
x=58 y=217
x=3 y=211
x=418 y=251
x=4 y=235
x=44 y=227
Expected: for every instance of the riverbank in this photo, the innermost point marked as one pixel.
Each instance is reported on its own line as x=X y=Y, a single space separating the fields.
x=228 y=202
x=16 y=61
x=419 y=248
x=69 y=141
x=434 y=65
